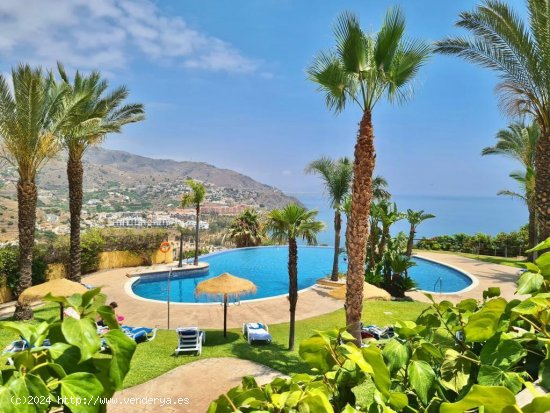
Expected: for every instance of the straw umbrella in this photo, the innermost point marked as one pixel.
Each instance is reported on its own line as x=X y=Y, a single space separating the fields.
x=225 y=285
x=59 y=287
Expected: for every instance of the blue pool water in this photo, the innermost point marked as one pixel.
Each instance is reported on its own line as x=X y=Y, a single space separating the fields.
x=267 y=268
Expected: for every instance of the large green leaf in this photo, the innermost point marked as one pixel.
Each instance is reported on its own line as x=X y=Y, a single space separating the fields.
x=66 y=355
x=492 y=399
x=422 y=377
x=80 y=390
x=502 y=353
x=396 y=354
x=544 y=245
x=529 y=282
x=122 y=349
x=543 y=262
x=82 y=333
x=455 y=370
x=538 y=405
x=316 y=353
x=108 y=316
x=381 y=375
x=483 y=324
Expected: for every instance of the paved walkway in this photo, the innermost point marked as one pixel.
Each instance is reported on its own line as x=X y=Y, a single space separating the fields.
x=312 y=302
x=487 y=274
x=199 y=382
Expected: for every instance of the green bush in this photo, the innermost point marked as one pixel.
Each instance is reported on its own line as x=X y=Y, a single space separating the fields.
x=9 y=266
x=70 y=374
x=472 y=356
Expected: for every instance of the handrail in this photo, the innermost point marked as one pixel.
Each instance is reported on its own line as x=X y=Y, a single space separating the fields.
x=440 y=281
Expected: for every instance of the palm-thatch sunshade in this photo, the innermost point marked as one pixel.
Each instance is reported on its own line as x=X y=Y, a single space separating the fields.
x=59 y=287
x=370 y=292
x=225 y=285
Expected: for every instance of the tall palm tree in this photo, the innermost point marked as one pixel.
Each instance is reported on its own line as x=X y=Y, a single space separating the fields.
x=520 y=53
x=415 y=218
x=31 y=113
x=246 y=229
x=337 y=176
x=98 y=113
x=519 y=142
x=195 y=198
x=286 y=225
x=526 y=181
x=362 y=69
x=380 y=189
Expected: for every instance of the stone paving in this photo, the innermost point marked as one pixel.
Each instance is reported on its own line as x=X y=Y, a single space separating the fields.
x=199 y=382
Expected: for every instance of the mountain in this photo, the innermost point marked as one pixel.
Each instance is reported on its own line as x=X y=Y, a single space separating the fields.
x=143 y=183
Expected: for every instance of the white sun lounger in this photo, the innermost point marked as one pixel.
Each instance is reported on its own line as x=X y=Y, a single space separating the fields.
x=256 y=332
x=190 y=339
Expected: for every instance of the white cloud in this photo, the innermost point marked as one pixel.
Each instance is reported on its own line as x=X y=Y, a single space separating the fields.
x=106 y=34
x=286 y=172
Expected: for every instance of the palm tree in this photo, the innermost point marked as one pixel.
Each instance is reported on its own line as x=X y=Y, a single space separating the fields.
x=380 y=189
x=388 y=215
x=415 y=218
x=519 y=53
x=337 y=176
x=526 y=181
x=246 y=229
x=519 y=142
x=286 y=225
x=195 y=198
x=362 y=69
x=98 y=113
x=31 y=112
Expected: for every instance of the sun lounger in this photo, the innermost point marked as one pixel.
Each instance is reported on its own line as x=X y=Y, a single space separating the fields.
x=190 y=339
x=256 y=332
x=139 y=334
x=378 y=333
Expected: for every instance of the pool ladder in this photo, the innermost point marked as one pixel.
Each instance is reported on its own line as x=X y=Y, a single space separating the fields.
x=440 y=282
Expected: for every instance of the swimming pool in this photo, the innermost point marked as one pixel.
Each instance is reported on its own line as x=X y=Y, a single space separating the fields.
x=267 y=268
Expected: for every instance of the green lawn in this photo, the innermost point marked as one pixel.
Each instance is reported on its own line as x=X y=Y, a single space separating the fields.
x=156 y=357
x=511 y=262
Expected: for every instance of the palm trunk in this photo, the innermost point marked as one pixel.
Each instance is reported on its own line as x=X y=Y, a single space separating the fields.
x=542 y=183
x=180 y=261
x=410 y=241
x=337 y=229
x=363 y=169
x=532 y=229
x=75 y=173
x=292 y=288
x=196 y=260
x=27 y=197
x=383 y=240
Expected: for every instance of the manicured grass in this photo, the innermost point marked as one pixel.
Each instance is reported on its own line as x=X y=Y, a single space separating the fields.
x=511 y=262
x=157 y=357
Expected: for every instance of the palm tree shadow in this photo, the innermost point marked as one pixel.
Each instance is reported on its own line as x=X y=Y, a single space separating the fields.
x=273 y=355
x=216 y=338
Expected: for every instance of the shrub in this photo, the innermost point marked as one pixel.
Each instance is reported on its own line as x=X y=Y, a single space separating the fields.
x=472 y=356
x=69 y=374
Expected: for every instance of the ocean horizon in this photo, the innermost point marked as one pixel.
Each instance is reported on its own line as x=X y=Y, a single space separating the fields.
x=454 y=214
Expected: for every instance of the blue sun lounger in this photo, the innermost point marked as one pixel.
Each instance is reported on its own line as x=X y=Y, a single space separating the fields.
x=139 y=334
x=190 y=339
x=256 y=332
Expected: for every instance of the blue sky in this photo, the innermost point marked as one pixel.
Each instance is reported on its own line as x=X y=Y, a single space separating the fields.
x=224 y=82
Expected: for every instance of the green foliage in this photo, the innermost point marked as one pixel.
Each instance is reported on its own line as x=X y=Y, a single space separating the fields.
x=70 y=373
x=453 y=358
x=246 y=229
x=511 y=244
x=9 y=266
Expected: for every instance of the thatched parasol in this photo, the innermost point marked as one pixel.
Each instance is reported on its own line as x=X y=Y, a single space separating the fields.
x=225 y=285
x=59 y=287
x=370 y=292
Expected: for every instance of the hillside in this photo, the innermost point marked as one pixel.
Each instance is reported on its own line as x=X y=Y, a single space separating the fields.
x=121 y=181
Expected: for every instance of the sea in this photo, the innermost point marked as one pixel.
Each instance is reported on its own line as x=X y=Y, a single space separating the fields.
x=454 y=214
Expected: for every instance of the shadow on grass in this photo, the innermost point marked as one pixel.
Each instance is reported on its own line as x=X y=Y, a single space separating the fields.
x=216 y=338
x=273 y=355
